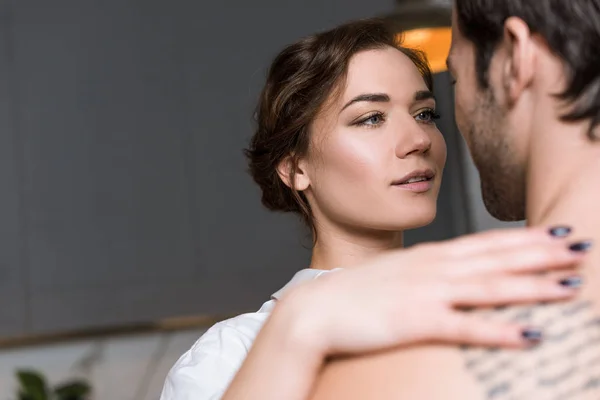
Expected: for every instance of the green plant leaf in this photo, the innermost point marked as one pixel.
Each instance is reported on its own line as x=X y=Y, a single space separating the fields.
x=33 y=385
x=76 y=390
x=24 y=396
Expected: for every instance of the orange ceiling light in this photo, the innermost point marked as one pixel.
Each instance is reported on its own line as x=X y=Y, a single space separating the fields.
x=435 y=42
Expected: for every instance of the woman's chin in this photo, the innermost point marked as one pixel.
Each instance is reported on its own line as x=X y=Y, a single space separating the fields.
x=388 y=221
x=417 y=220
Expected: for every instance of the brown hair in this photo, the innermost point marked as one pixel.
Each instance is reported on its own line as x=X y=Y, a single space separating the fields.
x=570 y=29
x=300 y=80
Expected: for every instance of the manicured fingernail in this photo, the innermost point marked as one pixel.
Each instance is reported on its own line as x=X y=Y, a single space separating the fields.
x=581 y=246
x=532 y=335
x=572 y=282
x=560 y=231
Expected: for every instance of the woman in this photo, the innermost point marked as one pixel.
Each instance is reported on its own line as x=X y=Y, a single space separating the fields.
x=347 y=138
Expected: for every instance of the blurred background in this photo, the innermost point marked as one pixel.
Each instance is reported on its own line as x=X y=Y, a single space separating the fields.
x=128 y=221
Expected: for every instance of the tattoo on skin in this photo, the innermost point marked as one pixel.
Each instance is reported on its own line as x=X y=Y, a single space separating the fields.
x=565 y=366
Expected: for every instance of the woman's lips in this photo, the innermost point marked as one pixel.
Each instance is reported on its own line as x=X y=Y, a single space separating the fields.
x=417 y=187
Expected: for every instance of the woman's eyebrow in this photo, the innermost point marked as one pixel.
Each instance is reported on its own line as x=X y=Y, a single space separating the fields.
x=372 y=97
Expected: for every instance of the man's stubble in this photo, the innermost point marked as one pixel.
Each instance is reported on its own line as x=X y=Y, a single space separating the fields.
x=494 y=154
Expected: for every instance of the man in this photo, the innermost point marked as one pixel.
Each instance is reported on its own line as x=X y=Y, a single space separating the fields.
x=527 y=88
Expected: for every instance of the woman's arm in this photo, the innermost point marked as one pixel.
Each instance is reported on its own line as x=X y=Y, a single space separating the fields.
x=285 y=358
x=405 y=297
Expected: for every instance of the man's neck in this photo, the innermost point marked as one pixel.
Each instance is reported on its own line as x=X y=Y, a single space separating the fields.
x=563 y=185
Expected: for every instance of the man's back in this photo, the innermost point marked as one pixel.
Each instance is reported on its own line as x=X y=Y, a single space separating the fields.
x=565 y=366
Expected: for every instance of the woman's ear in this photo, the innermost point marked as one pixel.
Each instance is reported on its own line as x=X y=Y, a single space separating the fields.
x=290 y=169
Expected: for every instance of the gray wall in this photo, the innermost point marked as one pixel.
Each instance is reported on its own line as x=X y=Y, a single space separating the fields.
x=125 y=197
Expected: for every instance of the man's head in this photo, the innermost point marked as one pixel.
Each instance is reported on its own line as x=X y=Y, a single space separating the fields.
x=506 y=56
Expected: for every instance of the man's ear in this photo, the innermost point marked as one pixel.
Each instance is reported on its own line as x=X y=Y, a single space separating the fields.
x=293 y=173
x=518 y=66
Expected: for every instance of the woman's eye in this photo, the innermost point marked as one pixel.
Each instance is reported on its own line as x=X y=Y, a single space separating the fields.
x=373 y=120
x=427 y=116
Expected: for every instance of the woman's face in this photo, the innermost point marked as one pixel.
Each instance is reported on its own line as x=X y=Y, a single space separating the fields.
x=376 y=157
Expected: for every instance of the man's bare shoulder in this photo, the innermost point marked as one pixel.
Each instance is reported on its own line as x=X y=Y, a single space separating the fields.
x=565 y=366
x=424 y=372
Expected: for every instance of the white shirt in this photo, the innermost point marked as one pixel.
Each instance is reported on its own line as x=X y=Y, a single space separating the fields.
x=205 y=371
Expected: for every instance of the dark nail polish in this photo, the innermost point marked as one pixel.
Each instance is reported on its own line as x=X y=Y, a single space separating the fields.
x=532 y=335
x=581 y=246
x=572 y=282
x=560 y=231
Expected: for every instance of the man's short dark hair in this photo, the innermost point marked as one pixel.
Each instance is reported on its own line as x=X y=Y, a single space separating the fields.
x=571 y=29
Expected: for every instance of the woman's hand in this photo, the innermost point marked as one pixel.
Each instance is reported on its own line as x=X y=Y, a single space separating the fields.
x=420 y=294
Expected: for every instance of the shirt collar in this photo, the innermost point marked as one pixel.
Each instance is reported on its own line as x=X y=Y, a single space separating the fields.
x=301 y=276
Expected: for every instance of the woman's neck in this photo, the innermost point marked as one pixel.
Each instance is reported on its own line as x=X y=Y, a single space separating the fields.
x=343 y=248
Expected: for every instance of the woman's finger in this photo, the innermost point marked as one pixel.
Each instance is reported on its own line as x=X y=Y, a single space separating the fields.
x=470 y=329
x=504 y=239
x=514 y=289
x=531 y=258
